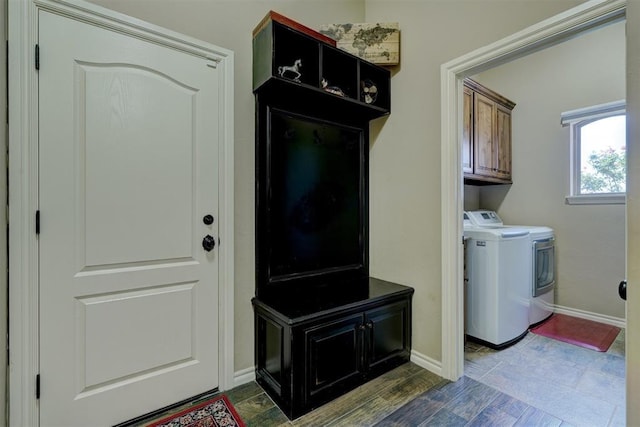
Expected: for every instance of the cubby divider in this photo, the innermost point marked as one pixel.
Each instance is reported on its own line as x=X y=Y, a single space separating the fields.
x=286 y=53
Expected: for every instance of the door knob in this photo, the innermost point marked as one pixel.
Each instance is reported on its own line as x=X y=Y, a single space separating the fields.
x=622 y=290
x=208 y=243
x=208 y=219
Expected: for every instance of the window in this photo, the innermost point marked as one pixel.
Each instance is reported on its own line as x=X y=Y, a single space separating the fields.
x=598 y=153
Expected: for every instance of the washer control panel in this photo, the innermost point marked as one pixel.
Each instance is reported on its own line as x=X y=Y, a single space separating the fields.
x=483 y=218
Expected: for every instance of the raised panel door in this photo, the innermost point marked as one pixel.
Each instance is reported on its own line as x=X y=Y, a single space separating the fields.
x=129 y=135
x=467 y=131
x=503 y=142
x=484 y=135
x=333 y=356
x=388 y=333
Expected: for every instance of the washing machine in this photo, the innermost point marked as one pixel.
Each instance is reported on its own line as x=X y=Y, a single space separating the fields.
x=496 y=285
x=541 y=266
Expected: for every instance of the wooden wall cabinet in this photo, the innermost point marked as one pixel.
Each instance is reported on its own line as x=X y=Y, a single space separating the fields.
x=486 y=136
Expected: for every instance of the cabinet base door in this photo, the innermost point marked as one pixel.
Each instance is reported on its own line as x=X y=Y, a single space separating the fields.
x=389 y=336
x=334 y=357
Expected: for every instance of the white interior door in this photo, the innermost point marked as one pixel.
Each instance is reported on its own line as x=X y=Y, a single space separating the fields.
x=127 y=170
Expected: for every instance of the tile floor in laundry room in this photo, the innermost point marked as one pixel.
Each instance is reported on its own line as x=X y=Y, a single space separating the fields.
x=536 y=382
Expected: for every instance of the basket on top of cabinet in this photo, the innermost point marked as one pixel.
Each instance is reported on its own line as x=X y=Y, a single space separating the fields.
x=296 y=61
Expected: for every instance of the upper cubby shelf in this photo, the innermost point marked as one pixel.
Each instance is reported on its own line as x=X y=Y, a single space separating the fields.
x=289 y=57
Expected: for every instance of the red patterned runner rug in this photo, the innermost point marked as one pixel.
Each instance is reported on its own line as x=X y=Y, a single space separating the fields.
x=215 y=412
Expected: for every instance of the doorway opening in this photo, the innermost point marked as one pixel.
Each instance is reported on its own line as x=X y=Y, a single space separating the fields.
x=562 y=27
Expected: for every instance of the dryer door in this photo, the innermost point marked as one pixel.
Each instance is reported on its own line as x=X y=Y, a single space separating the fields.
x=544 y=277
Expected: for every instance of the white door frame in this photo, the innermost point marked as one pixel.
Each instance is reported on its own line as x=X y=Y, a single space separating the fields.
x=561 y=27
x=23 y=187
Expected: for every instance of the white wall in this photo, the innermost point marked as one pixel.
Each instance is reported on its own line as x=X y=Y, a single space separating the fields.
x=229 y=24
x=405 y=151
x=590 y=240
x=471 y=198
x=405 y=147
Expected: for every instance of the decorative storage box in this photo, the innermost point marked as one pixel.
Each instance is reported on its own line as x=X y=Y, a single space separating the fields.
x=378 y=43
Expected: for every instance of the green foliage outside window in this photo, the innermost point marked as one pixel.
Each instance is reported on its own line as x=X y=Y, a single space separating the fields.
x=608 y=174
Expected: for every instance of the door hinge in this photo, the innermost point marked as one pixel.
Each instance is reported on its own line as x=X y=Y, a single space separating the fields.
x=37 y=222
x=37 y=57
x=38 y=386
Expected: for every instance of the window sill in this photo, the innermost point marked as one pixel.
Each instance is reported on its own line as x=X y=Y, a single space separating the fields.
x=596 y=199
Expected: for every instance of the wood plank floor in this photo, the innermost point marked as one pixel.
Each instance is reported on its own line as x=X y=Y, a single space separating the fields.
x=364 y=406
x=537 y=382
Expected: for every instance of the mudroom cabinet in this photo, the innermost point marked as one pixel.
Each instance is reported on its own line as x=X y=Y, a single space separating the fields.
x=323 y=326
x=306 y=357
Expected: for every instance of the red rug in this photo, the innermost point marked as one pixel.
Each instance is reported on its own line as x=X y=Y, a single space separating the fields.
x=215 y=412
x=573 y=330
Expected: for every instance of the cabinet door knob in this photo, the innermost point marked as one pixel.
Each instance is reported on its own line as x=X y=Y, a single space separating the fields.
x=370 y=324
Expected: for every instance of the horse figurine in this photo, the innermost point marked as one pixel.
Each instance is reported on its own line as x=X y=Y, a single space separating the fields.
x=295 y=68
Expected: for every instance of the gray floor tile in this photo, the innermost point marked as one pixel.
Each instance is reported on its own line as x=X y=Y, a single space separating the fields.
x=558 y=371
x=563 y=402
x=492 y=416
x=619 y=418
x=449 y=390
x=471 y=400
x=536 y=417
x=444 y=418
x=559 y=352
x=618 y=346
x=508 y=404
x=243 y=392
x=564 y=384
x=255 y=408
x=609 y=388
x=413 y=413
x=609 y=364
x=272 y=417
x=478 y=363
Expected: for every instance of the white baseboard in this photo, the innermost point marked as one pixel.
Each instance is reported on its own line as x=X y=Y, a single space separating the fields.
x=426 y=362
x=602 y=318
x=249 y=374
x=244 y=376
